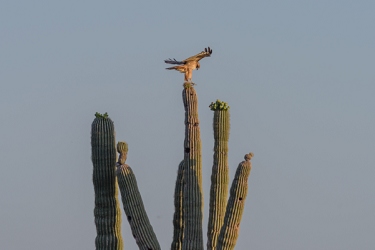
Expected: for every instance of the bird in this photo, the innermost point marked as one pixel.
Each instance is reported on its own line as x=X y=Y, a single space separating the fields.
x=189 y=64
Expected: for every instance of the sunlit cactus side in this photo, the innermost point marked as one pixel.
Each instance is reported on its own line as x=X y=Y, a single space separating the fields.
x=220 y=173
x=193 y=194
x=236 y=203
x=122 y=150
x=107 y=211
x=178 y=217
x=140 y=225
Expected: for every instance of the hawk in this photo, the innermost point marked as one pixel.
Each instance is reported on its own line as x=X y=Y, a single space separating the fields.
x=189 y=64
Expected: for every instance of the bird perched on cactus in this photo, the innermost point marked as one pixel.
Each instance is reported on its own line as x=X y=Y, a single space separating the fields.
x=189 y=64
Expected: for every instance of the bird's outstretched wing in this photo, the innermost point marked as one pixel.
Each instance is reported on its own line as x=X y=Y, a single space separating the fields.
x=207 y=52
x=173 y=61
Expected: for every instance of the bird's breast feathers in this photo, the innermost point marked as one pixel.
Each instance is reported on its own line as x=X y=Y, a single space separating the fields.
x=192 y=64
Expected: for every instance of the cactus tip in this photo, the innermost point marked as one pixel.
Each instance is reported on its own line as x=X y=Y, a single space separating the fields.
x=188 y=85
x=103 y=116
x=122 y=147
x=219 y=105
x=249 y=156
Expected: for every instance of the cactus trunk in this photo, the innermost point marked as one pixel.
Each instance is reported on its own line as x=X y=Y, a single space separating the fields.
x=140 y=225
x=178 y=217
x=219 y=177
x=193 y=195
x=236 y=203
x=107 y=211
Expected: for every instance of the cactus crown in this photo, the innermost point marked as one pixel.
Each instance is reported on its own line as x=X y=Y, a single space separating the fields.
x=249 y=156
x=188 y=85
x=103 y=116
x=219 y=105
x=122 y=147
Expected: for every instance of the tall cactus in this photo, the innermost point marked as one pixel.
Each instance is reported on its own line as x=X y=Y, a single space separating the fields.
x=220 y=173
x=238 y=192
x=133 y=205
x=193 y=194
x=107 y=211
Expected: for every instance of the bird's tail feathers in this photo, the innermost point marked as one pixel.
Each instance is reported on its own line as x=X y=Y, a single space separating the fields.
x=173 y=61
x=174 y=67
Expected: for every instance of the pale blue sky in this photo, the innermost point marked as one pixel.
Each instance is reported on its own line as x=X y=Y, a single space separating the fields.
x=299 y=77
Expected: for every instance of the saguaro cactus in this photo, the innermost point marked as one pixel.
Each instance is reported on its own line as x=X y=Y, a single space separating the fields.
x=220 y=172
x=224 y=215
x=107 y=211
x=193 y=195
x=142 y=230
x=238 y=192
x=178 y=217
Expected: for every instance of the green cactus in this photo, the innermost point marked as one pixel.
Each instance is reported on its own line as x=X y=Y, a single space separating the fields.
x=140 y=225
x=193 y=194
x=238 y=192
x=224 y=215
x=219 y=176
x=178 y=217
x=107 y=211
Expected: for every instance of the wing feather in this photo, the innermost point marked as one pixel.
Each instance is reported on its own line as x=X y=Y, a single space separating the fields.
x=173 y=61
x=206 y=53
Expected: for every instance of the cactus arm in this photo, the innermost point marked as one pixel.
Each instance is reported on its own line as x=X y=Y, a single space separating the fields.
x=219 y=176
x=107 y=211
x=193 y=195
x=133 y=205
x=238 y=192
x=178 y=217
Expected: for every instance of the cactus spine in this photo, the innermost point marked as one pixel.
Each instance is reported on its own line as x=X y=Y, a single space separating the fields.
x=220 y=173
x=238 y=192
x=178 y=217
x=193 y=195
x=133 y=205
x=107 y=211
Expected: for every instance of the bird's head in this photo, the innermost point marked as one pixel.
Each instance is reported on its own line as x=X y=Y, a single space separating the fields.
x=198 y=65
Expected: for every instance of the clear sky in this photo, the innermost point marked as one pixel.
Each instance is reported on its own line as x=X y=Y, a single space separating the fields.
x=299 y=77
